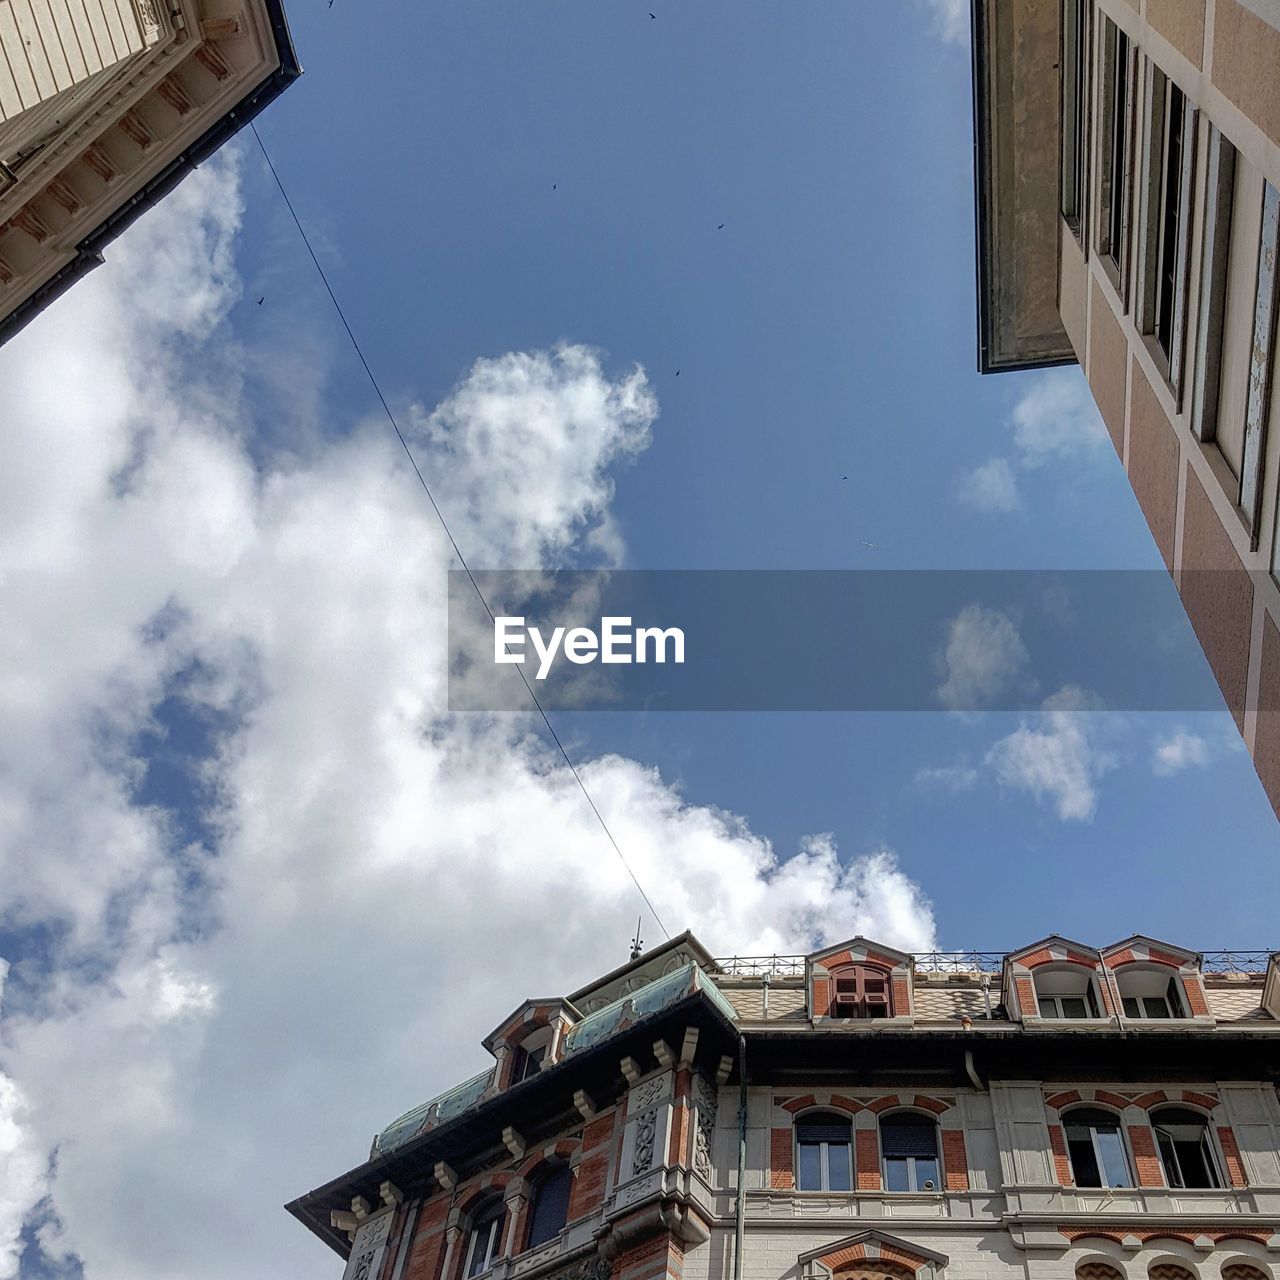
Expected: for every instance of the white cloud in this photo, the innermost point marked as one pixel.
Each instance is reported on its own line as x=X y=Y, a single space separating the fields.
x=1057 y=417
x=991 y=487
x=1178 y=751
x=983 y=660
x=952 y=778
x=225 y=1018
x=1059 y=760
x=951 y=20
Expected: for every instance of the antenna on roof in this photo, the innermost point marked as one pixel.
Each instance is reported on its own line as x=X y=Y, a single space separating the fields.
x=637 y=942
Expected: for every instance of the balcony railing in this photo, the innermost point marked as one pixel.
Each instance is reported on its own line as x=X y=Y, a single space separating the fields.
x=780 y=966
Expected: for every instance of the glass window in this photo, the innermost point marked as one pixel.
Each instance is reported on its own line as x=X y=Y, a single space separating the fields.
x=1149 y=992
x=1096 y=1148
x=550 y=1206
x=1074 y=43
x=862 y=992
x=485 y=1238
x=824 y=1152
x=909 y=1152
x=1186 y=1150
x=1114 y=175
x=1066 y=991
x=528 y=1063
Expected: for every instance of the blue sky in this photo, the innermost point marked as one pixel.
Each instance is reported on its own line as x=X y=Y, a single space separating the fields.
x=827 y=330
x=248 y=860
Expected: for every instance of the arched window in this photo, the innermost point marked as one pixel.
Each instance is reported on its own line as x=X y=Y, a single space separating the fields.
x=909 y=1152
x=1170 y=1271
x=824 y=1152
x=550 y=1205
x=1150 y=991
x=484 y=1241
x=1098 y=1271
x=1066 y=991
x=1097 y=1149
x=862 y=991
x=1243 y=1271
x=1186 y=1149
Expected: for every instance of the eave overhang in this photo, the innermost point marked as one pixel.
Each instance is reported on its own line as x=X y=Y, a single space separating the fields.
x=88 y=251
x=539 y=1107
x=1015 y=47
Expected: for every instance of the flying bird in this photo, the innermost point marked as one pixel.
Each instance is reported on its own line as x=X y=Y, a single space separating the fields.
x=720 y=227
x=652 y=16
x=553 y=186
x=261 y=301
x=844 y=477
x=677 y=373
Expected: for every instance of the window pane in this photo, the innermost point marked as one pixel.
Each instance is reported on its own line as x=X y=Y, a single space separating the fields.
x=1074 y=1007
x=927 y=1171
x=896 y=1177
x=1169 y=1158
x=809 y=1174
x=550 y=1206
x=1084 y=1164
x=1131 y=1009
x=1115 y=1168
x=1155 y=1006
x=838 y=1168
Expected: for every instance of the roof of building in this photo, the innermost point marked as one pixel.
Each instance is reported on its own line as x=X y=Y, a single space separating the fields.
x=159 y=171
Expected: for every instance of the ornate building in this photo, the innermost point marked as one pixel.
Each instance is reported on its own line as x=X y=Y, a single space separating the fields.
x=105 y=105
x=1128 y=214
x=1062 y=1112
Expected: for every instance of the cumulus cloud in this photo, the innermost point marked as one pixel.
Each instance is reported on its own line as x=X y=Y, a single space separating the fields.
x=949 y=778
x=224 y=995
x=983 y=659
x=1058 y=759
x=990 y=487
x=1056 y=417
x=1178 y=751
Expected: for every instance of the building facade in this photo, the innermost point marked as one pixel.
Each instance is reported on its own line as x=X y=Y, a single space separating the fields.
x=1128 y=164
x=1062 y=1112
x=105 y=105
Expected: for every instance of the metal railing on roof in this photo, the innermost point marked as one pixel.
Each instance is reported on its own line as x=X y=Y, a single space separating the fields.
x=779 y=966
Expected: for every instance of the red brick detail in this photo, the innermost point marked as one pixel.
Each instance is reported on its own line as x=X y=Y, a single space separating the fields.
x=901 y=998
x=867 y=1159
x=1061 y=1160
x=955 y=1160
x=835 y=961
x=1074 y=957
x=1148 y=1100
x=1109 y=1099
x=895 y=1257
x=782 y=1170
x=563 y=1149
x=1059 y=1100
x=1142 y=1142
x=678 y=1151
x=799 y=1104
x=891 y=1261
x=1205 y=1100
x=1231 y=1154
x=1108 y=1005
x=1036 y=958
x=821 y=997
x=587 y=1193
x=1195 y=997
x=883 y=1104
x=936 y=1105
x=1187 y=1235
x=1163 y=957
x=652 y=1259
x=479 y=1187
x=1117 y=958
x=851 y=1105
x=426 y=1254
x=883 y=962
x=1027 y=1002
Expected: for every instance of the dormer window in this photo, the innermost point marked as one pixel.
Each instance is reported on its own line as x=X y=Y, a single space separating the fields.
x=1149 y=992
x=528 y=1063
x=1066 y=991
x=861 y=992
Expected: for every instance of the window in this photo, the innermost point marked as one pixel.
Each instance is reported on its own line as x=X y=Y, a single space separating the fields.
x=1097 y=1271
x=861 y=992
x=1149 y=993
x=909 y=1152
x=485 y=1238
x=528 y=1063
x=824 y=1152
x=1072 y=59
x=1219 y=184
x=1096 y=1148
x=1186 y=1150
x=1167 y=208
x=1066 y=991
x=1115 y=159
x=550 y=1205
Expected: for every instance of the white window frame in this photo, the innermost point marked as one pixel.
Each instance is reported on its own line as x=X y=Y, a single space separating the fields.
x=1092 y=1126
x=910 y=1161
x=492 y=1245
x=824 y=1167
x=1207 y=1146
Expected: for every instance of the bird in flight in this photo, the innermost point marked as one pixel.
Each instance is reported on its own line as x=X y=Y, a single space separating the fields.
x=844 y=477
x=652 y=16
x=261 y=301
x=553 y=186
x=720 y=227
x=677 y=373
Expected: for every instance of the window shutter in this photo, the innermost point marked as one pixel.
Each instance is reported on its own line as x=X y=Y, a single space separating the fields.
x=919 y=1140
